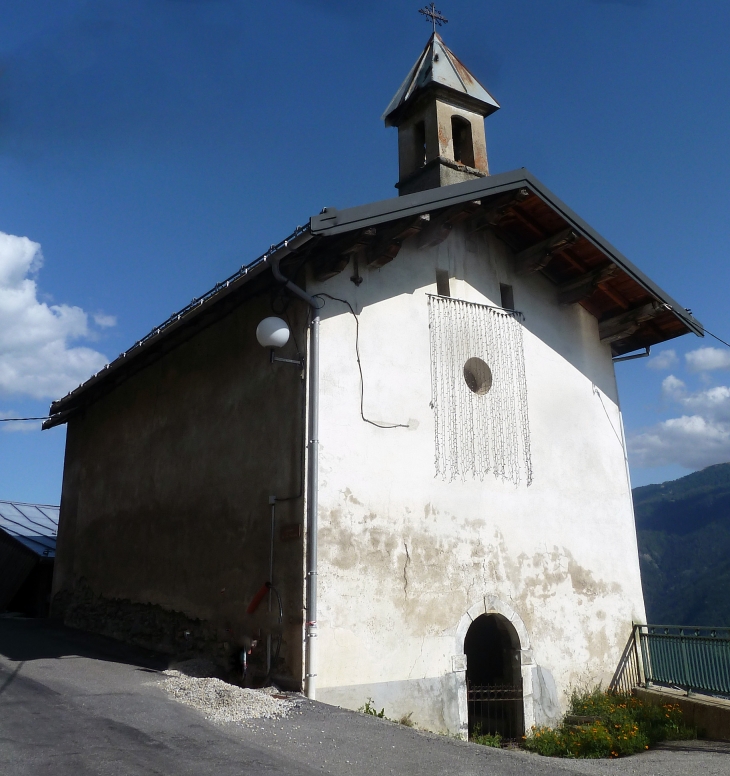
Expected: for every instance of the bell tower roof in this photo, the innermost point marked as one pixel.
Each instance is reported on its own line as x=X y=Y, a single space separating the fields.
x=439 y=69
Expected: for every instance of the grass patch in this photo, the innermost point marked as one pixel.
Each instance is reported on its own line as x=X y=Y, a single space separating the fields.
x=485 y=739
x=370 y=709
x=619 y=725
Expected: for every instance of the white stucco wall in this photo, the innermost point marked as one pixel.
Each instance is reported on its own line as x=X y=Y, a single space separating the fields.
x=405 y=559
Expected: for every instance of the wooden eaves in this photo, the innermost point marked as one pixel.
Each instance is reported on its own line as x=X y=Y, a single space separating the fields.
x=545 y=235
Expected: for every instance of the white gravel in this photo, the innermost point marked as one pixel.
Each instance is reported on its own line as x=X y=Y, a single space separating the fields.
x=193 y=684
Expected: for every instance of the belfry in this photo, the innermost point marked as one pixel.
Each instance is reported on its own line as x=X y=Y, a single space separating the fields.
x=439 y=111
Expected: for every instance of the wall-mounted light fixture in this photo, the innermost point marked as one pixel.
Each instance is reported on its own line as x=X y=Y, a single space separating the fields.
x=273 y=333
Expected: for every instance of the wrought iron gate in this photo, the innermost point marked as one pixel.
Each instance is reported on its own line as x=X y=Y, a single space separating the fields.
x=496 y=708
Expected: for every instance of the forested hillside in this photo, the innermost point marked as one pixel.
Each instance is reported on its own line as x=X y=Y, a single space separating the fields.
x=684 y=548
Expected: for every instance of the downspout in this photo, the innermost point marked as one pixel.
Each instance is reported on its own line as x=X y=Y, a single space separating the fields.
x=310 y=652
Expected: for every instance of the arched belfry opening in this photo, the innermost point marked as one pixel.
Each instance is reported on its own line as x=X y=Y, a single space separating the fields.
x=494 y=678
x=419 y=148
x=462 y=141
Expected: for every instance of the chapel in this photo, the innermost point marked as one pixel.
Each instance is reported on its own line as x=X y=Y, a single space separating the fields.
x=385 y=460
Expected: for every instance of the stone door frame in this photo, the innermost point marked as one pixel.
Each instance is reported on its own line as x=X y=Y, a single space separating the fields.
x=493 y=605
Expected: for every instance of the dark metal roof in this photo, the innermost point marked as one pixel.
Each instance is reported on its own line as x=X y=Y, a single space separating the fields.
x=545 y=234
x=33 y=525
x=438 y=66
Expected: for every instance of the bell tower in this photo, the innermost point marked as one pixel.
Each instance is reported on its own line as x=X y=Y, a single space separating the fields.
x=439 y=111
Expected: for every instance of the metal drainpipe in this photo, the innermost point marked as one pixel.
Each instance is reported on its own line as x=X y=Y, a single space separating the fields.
x=310 y=655
x=310 y=652
x=272 y=501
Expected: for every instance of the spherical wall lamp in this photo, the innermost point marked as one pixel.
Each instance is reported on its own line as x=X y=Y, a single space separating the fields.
x=272 y=333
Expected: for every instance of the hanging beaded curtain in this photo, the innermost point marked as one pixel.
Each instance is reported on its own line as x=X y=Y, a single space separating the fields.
x=479 y=391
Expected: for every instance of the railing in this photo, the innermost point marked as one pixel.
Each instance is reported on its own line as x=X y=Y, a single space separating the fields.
x=691 y=658
x=628 y=674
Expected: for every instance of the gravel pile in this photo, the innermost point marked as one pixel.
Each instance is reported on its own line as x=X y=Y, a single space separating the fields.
x=193 y=684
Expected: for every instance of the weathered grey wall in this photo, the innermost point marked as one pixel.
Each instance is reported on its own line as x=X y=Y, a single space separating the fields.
x=407 y=560
x=165 y=516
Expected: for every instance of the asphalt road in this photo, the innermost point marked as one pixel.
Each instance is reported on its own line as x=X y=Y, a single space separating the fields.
x=73 y=704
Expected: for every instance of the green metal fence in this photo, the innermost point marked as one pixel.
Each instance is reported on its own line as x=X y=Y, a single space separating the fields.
x=691 y=658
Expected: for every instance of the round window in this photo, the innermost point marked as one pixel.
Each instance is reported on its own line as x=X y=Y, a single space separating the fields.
x=478 y=376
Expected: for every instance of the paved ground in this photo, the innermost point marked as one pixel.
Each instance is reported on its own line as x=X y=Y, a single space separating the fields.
x=73 y=704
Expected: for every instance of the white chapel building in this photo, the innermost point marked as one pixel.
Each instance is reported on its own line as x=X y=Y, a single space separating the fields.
x=430 y=471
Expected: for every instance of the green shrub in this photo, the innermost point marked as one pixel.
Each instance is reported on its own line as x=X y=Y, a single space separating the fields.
x=368 y=708
x=620 y=725
x=485 y=739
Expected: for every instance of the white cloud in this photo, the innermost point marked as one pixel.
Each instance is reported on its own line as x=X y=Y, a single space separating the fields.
x=36 y=358
x=693 y=440
x=673 y=388
x=708 y=359
x=25 y=425
x=713 y=404
x=690 y=441
x=665 y=360
x=105 y=321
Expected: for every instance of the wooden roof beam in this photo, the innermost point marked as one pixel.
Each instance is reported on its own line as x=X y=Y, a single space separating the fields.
x=581 y=288
x=529 y=221
x=387 y=247
x=525 y=220
x=538 y=256
x=379 y=246
x=440 y=226
x=625 y=324
x=337 y=257
x=614 y=296
x=575 y=263
x=494 y=210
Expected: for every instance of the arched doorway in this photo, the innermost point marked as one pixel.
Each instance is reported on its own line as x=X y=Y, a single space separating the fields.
x=494 y=678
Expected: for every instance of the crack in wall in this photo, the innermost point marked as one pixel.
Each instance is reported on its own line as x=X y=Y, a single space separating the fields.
x=405 y=570
x=420 y=655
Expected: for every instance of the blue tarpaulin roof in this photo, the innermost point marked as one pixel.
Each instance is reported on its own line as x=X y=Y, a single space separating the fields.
x=33 y=525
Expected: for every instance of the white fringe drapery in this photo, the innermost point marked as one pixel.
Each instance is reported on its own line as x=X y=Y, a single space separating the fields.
x=479 y=393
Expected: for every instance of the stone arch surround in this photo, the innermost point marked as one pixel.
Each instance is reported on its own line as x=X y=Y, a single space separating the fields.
x=492 y=605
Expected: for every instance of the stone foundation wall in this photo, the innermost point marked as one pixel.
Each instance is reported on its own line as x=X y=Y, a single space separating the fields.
x=156 y=628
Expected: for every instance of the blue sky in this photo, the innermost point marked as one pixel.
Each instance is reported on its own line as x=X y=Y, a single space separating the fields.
x=152 y=146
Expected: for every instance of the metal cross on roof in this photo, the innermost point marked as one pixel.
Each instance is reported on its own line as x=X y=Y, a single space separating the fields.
x=434 y=14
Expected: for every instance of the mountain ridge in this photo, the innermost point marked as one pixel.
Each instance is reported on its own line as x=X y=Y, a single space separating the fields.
x=683 y=533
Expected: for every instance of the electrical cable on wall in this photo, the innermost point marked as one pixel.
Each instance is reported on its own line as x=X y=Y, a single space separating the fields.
x=359 y=366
